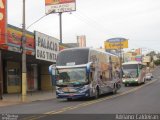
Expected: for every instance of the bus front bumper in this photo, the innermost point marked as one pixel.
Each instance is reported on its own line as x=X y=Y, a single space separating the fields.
x=132 y=81
x=73 y=95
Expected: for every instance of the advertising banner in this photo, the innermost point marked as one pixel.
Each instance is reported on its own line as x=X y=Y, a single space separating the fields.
x=139 y=58
x=47 y=47
x=56 y=6
x=116 y=43
x=14 y=38
x=3 y=21
x=146 y=59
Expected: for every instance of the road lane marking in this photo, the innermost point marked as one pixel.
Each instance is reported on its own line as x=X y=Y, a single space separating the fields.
x=91 y=102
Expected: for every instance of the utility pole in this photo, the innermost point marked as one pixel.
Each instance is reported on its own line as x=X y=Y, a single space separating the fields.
x=60 y=26
x=24 y=70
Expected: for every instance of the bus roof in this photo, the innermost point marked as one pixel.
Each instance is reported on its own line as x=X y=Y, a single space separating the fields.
x=74 y=66
x=87 y=48
x=131 y=62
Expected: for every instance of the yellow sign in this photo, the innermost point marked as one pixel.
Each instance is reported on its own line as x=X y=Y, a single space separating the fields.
x=116 y=45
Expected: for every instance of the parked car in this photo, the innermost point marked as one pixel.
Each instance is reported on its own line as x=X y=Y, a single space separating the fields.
x=148 y=76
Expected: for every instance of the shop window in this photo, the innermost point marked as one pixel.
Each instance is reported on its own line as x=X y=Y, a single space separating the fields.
x=13 y=77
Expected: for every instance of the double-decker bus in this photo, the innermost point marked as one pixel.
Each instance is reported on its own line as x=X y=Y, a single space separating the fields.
x=133 y=73
x=84 y=72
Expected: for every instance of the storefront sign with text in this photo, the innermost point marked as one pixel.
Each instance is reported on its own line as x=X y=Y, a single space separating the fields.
x=47 y=47
x=14 y=38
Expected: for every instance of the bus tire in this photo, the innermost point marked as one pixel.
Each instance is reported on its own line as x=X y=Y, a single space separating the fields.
x=69 y=99
x=127 y=84
x=97 y=93
x=144 y=80
x=114 y=89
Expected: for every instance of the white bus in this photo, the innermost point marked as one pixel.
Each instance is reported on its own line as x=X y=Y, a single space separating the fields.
x=133 y=73
x=84 y=72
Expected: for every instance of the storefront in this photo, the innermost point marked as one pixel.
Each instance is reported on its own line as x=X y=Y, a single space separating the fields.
x=41 y=52
x=46 y=50
x=38 y=77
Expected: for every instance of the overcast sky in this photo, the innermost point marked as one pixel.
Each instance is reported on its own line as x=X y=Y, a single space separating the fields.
x=99 y=20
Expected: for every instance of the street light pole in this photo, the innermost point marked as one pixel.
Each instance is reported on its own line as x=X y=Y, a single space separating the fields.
x=24 y=70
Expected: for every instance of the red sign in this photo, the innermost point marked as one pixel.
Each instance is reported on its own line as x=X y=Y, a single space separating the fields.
x=2 y=20
x=14 y=37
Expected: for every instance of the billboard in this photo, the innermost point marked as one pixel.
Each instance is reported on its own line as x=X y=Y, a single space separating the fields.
x=14 y=37
x=47 y=47
x=146 y=59
x=3 y=21
x=116 y=43
x=138 y=58
x=57 y=6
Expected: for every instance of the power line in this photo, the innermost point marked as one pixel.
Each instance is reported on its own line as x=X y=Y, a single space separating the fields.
x=36 y=21
x=39 y=19
x=92 y=20
x=87 y=22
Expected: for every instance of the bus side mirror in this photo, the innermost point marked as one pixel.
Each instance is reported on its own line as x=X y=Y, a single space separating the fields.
x=88 y=68
x=52 y=71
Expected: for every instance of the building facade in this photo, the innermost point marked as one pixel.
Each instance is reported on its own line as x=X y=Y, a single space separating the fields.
x=81 y=40
x=38 y=77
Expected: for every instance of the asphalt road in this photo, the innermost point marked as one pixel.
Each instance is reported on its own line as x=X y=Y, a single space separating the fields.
x=133 y=99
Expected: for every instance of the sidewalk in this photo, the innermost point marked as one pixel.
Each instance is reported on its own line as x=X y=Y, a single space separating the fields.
x=12 y=99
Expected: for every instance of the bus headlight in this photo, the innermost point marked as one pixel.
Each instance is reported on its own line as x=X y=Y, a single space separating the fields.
x=59 y=90
x=84 y=89
x=136 y=80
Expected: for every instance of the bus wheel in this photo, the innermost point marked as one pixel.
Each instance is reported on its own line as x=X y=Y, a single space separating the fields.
x=97 y=93
x=114 y=89
x=144 y=80
x=69 y=99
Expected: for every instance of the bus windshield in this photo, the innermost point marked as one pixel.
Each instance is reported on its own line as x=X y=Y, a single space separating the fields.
x=71 y=76
x=130 y=70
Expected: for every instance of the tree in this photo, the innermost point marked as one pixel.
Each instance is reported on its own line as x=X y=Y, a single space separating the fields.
x=157 y=62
